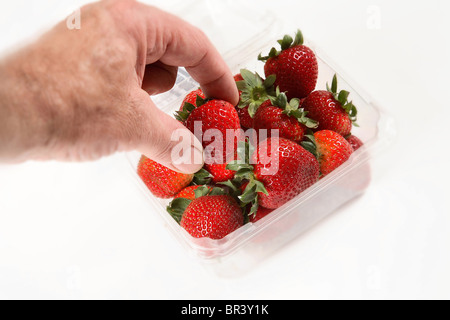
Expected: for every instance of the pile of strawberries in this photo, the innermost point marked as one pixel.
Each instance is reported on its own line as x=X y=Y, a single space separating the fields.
x=307 y=135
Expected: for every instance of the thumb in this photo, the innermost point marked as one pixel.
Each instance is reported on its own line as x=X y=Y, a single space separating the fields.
x=165 y=140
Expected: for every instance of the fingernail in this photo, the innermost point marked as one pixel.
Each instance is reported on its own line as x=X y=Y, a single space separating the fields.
x=192 y=162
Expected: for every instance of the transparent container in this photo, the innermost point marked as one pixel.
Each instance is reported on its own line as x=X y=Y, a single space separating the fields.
x=242 y=249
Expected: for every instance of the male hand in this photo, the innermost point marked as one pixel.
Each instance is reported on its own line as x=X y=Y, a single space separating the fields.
x=83 y=94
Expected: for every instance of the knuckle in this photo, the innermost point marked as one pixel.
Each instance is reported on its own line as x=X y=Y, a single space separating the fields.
x=120 y=6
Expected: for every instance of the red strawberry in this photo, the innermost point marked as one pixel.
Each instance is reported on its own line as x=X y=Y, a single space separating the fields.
x=332 y=150
x=355 y=142
x=295 y=67
x=331 y=109
x=238 y=77
x=162 y=181
x=219 y=172
x=189 y=192
x=191 y=97
x=301 y=102
x=244 y=117
x=220 y=116
x=266 y=104
x=322 y=107
x=277 y=175
x=291 y=121
x=178 y=205
x=297 y=171
x=189 y=103
x=212 y=216
x=260 y=213
x=253 y=92
x=273 y=118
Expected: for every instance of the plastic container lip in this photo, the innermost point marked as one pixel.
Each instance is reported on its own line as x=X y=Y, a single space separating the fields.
x=210 y=250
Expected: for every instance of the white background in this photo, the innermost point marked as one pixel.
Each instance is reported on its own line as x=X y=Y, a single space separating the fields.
x=85 y=231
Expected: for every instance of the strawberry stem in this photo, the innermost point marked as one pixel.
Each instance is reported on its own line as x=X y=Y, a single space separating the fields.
x=310 y=144
x=285 y=43
x=202 y=177
x=177 y=207
x=292 y=109
x=254 y=90
x=342 y=98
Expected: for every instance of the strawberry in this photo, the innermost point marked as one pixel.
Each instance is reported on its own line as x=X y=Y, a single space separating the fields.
x=253 y=92
x=191 y=98
x=272 y=117
x=331 y=109
x=211 y=214
x=160 y=180
x=301 y=102
x=238 y=77
x=260 y=213
x=244 y=117
x=265 y=104
x=189 y=192
x=220 y=116
x=189 y=103
x=297 y=171
x=354 y=141
x=295 y=67
x=288 y=118
x=330 y=148
x=219 y=172
x=278 y=175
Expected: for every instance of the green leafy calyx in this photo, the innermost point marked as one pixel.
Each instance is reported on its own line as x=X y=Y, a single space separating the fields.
x=202 y=177
x=245 y=174
x=183 y=114
x=342 y=98
x=250 y=195
x=178 y=206
x=202 y=191
x=292 y=109
x=310 y=144
x=285 y=43
x=254 y=90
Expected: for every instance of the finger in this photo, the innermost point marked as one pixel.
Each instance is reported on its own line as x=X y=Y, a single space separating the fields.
x=159 y=78
x=187 y=46
x=164 y=139
x=220 y=84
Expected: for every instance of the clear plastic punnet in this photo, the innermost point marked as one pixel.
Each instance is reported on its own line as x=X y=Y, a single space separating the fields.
x=248 y=245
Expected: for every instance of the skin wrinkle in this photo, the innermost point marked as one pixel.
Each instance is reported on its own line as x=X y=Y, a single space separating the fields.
x=130 y=132
x=219 y=78
x=198 y=63
x=159 y=78
x=144 y=122
x=158 y=39
x=175 y=46
x=140 y=43
x=152 y=60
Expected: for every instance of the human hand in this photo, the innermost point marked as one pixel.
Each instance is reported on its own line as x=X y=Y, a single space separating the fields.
x=83 y=94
